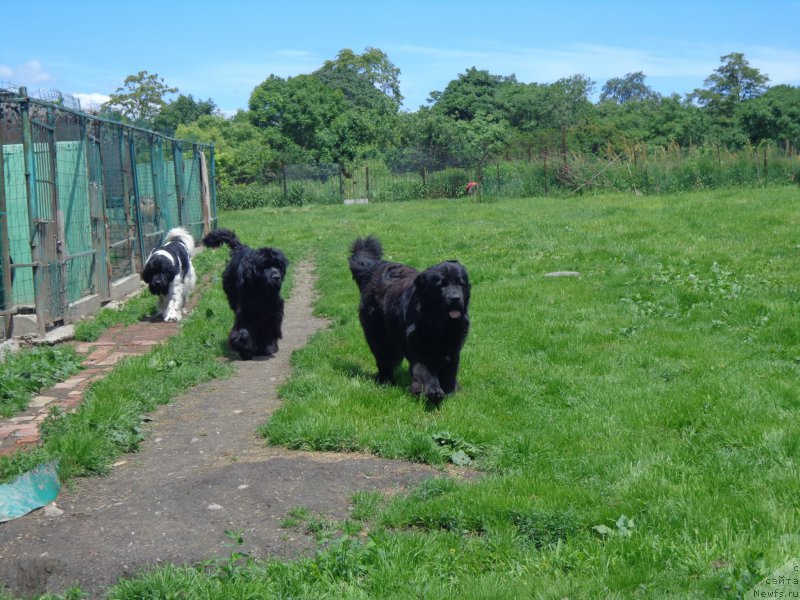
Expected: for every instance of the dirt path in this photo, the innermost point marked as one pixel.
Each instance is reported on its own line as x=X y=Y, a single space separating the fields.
x=202 y=471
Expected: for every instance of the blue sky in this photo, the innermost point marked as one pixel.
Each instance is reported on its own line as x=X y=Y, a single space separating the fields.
x=222 y=50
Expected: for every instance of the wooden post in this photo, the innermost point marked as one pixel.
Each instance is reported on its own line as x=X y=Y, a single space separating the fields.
x=285 y=187
x=137 y=200
x=544 y=171
x=8 y=291
x=180 y=182
x=205 y=191
x=37 y=256
x=213 y=184
x=129 y=188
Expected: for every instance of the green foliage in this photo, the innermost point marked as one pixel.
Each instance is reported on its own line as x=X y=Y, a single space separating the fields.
x=140 y=98
x=347 y=112
x=300 y=109
x=471 y=93
x=181 y=111
x=367 y=80
x=108 y=421
x=630 y=88
x=24 y=373
x=239 y=197
x=449 y=183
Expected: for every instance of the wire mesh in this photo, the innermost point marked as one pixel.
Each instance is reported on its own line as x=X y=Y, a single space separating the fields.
x=83 y=201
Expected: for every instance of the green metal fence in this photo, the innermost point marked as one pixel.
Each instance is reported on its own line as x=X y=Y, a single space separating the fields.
x=83 y=201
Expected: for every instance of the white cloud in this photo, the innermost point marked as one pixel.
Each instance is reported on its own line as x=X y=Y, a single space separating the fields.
x=782 y=66
x=91 y=100
x=30 y=73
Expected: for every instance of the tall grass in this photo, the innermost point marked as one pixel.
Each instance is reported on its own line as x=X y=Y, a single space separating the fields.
x=108 y=422
x=637 y=169
x=636 y=426
x=24 y=373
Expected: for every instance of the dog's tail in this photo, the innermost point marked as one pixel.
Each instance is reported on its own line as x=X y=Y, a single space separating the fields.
x=365 y=255
x=221 y=236
x=179 y=233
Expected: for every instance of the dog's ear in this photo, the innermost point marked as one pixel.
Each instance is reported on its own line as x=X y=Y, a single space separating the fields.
x=426 y=279
x=281 y=258
x=147 y=274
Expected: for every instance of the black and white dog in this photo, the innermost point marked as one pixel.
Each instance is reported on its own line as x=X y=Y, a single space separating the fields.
x=170 y=275
x=252 y=282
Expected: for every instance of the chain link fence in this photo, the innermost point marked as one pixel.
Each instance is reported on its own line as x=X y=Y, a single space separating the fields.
x=83 y=201
x=408 y=174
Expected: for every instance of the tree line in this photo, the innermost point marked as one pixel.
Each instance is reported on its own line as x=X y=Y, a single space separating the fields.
x=350 y=111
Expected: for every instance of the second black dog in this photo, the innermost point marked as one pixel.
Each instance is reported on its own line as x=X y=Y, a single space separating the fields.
x=252 y=282
x=420 y=316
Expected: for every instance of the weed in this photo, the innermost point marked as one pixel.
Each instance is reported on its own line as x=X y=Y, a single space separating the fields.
x=24 y=373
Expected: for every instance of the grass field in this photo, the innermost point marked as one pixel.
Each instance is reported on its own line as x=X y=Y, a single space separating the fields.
x=637 y=427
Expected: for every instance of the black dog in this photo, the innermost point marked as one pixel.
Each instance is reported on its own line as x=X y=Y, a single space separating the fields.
x=252 y=282
x=169 y=273
x=420 y=316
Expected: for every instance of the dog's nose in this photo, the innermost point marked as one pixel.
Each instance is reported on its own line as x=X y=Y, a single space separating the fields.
x=454 y=298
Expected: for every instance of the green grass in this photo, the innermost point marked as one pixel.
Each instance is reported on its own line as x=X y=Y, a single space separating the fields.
x=661 y=386
x=109 y=420
x=133 y=310
x=24 y=373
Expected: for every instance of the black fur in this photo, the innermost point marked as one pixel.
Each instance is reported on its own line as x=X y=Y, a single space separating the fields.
x=169 y=274
x=422 y=317
x=252 y=282
x=160 y=271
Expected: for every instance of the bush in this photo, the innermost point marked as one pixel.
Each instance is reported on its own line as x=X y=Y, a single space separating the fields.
x=253 y=195
x=448 y=183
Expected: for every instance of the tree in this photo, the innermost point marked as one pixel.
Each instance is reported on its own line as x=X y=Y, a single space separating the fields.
x=627 y=89
x=733 y=82
x=298 y=109
x=367 y=80
x=140 y=98
x=773 y=116
x=243 y=152
x=474 y=91
x=182 y=111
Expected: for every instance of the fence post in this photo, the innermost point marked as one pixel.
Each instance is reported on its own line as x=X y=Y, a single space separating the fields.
x=180 y=181
x=366 y=176
x=544 y=171
x=285 y=189
x=8 y=291
x=159 y=184
x=97 y=213
x=33 y=211
x=62 y=254
x=136 y=199
x=205 y=191
x=213 y=185
x=129 y=186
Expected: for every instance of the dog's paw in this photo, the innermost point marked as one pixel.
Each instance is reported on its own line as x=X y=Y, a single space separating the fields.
x=434 y=394
x=172 y=316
